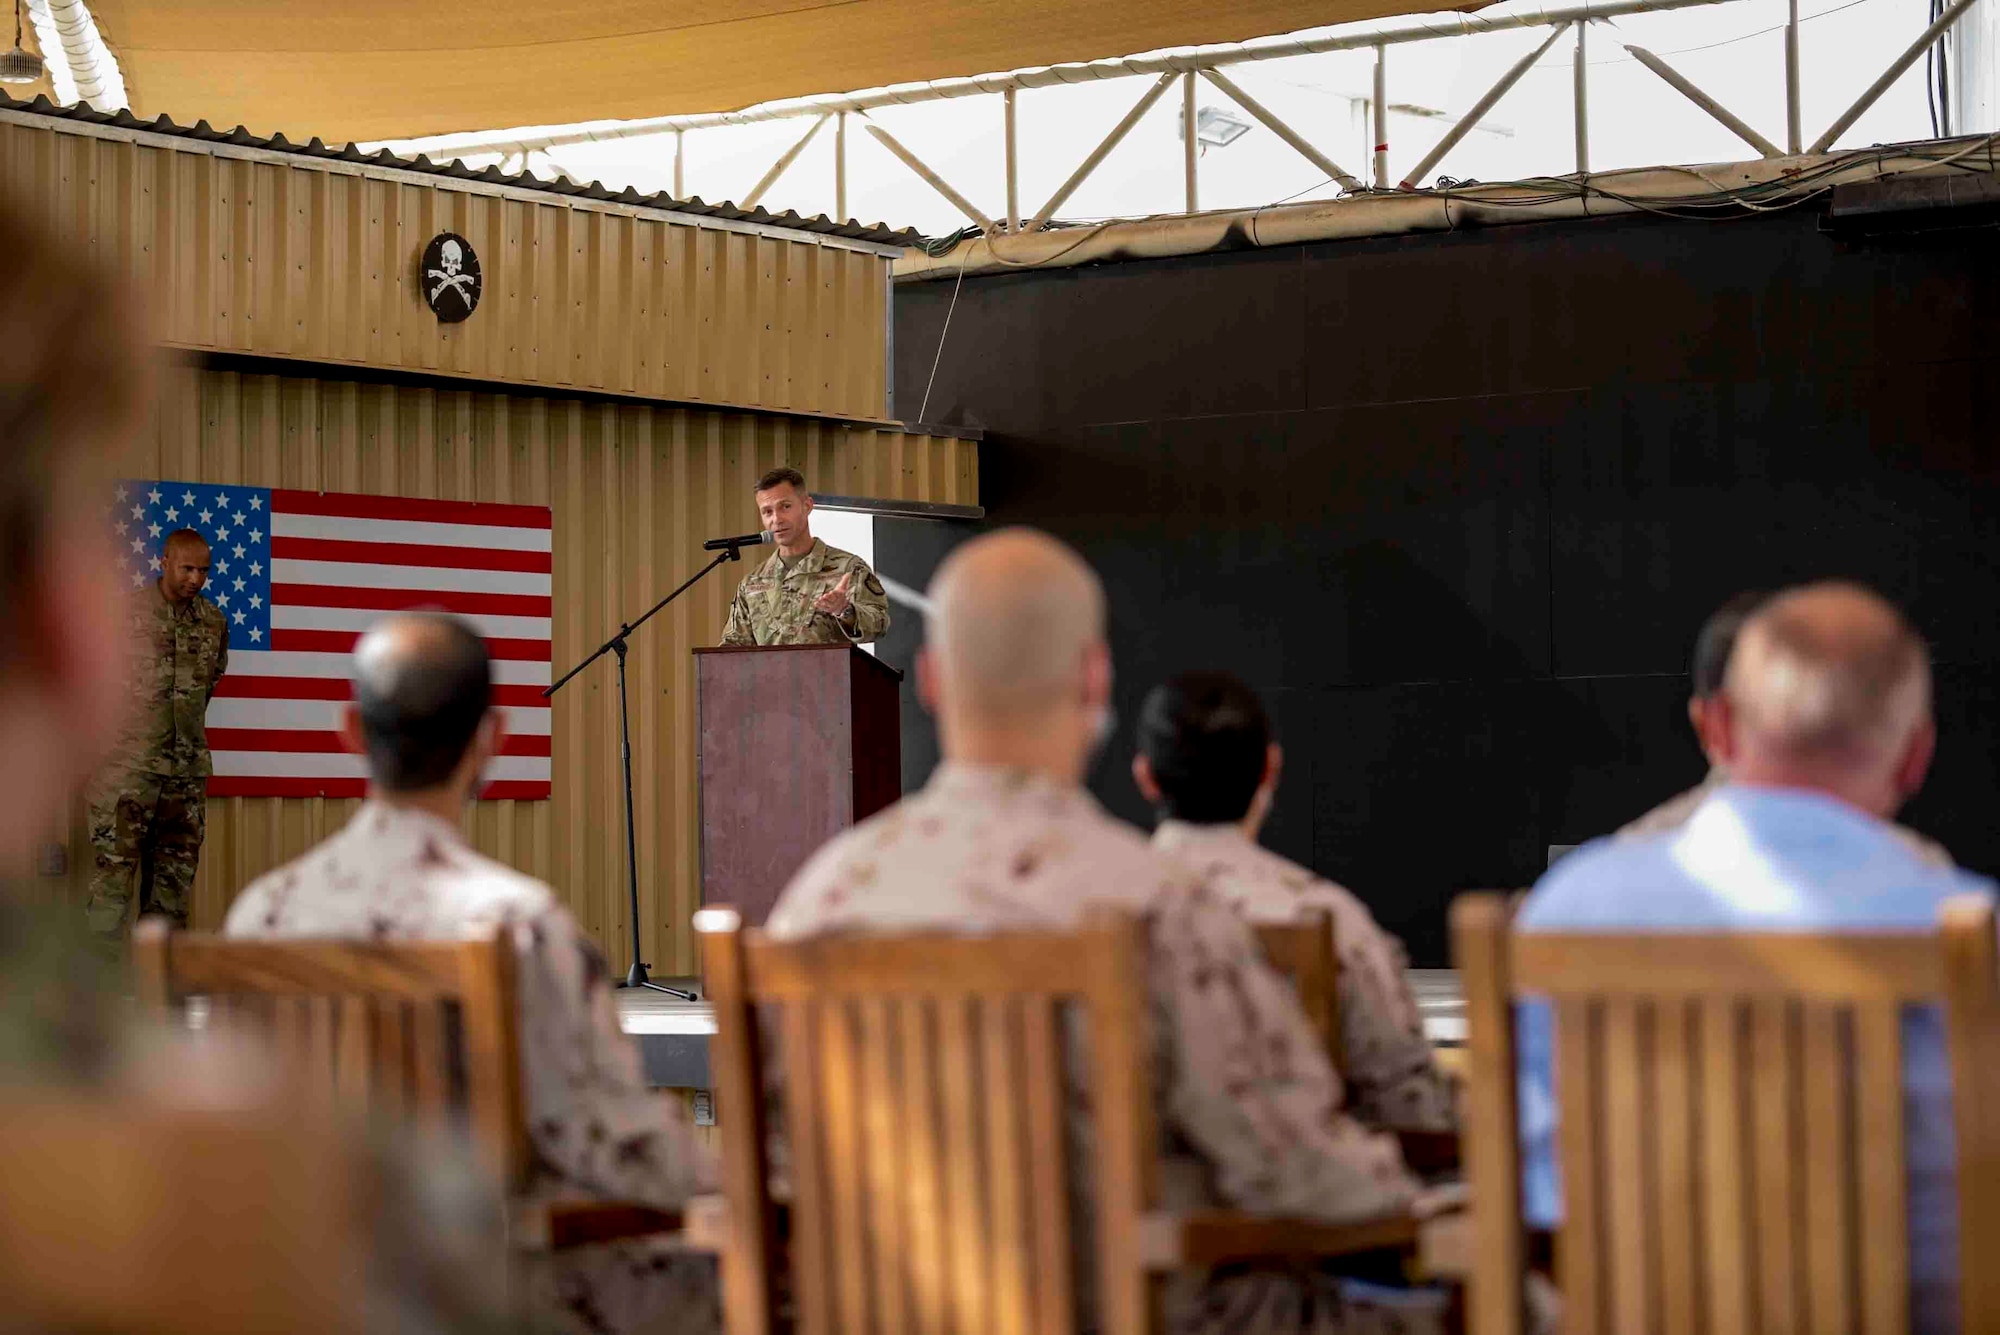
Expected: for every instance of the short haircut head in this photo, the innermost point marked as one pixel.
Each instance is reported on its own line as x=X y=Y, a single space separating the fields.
x=1717 y=640
x=1206 y=736
x=75 y=382
x=1013 y=616
x=777 y=477
x=1830 y=671
x=184 y=537
x=423 y=683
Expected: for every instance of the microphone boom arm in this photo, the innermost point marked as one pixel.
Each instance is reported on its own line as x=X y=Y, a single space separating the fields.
x=618 y=644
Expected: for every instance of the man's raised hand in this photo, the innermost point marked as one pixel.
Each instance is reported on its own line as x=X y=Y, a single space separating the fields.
x=835 y=602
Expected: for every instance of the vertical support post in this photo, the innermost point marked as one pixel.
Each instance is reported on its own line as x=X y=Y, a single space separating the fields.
x=1013 y=166
x=680 y=157
x=1381 y=115
x=1794 y=138
x=840 y=168
x=1190 y=145
x=1583 y=103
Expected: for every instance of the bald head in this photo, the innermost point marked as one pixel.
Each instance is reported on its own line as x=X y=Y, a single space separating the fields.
x=1829 y=674
x=422 y=684
x=1016 y=620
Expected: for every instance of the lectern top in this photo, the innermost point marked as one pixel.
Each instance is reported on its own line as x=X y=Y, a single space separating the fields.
x=856 y=650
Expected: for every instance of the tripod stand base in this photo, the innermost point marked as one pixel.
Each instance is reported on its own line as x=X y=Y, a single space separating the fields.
x=636 y=977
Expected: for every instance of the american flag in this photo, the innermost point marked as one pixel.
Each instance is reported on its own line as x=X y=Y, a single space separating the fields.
x=300 y=574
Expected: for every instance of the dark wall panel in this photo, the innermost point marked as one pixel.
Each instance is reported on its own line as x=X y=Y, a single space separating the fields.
x=1457 y=504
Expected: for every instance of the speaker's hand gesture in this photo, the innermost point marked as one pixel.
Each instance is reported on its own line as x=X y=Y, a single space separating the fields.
x=835 y=602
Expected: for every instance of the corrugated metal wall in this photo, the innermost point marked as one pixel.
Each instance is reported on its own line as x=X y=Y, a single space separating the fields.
x=635 y=489
x=319 y=260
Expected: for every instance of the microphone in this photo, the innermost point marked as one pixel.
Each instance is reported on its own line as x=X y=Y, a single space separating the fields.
x=729 y=544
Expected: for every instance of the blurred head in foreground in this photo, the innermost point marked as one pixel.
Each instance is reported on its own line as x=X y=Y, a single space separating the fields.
x=1829 y=689
x=1206 y=755
x=422 y=711
x=1014 y=665
x=75 y=383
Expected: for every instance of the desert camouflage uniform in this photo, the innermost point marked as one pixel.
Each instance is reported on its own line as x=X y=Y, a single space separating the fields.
x=596 y=1130
x=1249 y=1105
x=775 y=604
x=148 y=807
x=1392 y=1080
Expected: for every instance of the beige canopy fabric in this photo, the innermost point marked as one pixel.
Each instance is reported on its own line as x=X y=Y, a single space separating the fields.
x=386 y=69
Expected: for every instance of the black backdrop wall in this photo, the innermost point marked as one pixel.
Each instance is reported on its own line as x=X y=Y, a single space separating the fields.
x=1458 y=503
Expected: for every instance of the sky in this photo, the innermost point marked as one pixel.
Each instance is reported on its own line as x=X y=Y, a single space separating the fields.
x=1734 y=51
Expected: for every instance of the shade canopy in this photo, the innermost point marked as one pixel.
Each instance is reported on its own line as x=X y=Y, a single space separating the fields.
x=389 y=69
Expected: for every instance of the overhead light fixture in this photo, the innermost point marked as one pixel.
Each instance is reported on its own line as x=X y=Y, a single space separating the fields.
x=19 y=65
x=1214 y=127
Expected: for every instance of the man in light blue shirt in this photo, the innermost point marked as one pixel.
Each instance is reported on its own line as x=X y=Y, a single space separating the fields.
x=1825 y=728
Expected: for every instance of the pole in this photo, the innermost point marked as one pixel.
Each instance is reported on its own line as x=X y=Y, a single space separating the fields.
x=1890 y=75
x=840 y=168
x=1794 y=135
x=1582 y=104
x=680 y=156
x=1097 y=155
x=1685 y=87
x=1479 y=109
x=617 y=644
x=1381 y=116
x=1190 y=145
x=1013 y=165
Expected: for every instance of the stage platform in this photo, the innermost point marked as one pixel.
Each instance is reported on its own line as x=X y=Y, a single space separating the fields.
x=673 y=1035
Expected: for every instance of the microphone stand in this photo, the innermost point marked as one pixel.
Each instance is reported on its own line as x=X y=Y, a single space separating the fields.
x=636 y=976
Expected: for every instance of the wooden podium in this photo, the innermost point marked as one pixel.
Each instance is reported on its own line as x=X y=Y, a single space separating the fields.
x=795 y=744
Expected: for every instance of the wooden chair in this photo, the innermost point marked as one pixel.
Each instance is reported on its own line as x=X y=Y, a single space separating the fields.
x=925 y=1112
x=1731 y=1121
x=1304 y=952
x=426 y=1031
x=119 y=1215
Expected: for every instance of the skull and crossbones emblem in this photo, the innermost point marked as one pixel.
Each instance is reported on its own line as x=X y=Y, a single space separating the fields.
x=453 y=275
x=449 y=267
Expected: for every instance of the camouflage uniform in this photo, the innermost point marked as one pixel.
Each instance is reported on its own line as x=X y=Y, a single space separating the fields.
x=148 y=808
x=775 y=604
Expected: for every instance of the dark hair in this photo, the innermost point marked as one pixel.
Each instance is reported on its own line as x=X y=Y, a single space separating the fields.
x=778 y=475
x=422 y=682
x=1717 y=640
x=1205 y=734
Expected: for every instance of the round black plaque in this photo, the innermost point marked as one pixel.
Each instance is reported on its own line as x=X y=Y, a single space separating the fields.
x=451 y=277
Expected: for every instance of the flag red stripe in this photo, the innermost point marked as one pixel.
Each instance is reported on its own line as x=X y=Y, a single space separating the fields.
x=410 y=554
x=343 y=641
x=399 y=600
x=242 y=687
x=321 y=742
x=529 y=790
x=410 y=508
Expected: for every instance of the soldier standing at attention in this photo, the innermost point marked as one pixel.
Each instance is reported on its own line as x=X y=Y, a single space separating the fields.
x=148 y=808
x=808 y=592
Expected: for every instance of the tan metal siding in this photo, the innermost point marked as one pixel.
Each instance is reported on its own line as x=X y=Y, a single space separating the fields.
x=635 y=489
x=320 y=261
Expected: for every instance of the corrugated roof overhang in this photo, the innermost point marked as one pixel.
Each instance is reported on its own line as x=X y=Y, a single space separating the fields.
x=391 y=69
x=878 y=234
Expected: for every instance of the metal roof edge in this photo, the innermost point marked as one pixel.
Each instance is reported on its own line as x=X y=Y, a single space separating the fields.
x=122 y=123
x=1716 y=190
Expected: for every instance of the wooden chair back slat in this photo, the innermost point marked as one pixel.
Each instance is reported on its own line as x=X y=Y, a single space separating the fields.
x=368 y=1024
x=924 y=1088
x=1731 y=1121
x=1304 y=954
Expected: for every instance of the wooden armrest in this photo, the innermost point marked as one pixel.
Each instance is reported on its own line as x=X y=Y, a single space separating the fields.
x=1217 y=1237
x=558 y=1225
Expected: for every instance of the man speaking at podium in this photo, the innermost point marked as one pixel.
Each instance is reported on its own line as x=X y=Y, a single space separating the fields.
x=808 y=592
